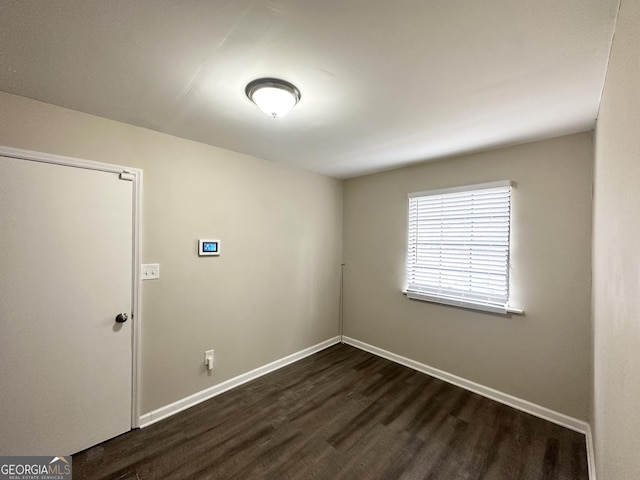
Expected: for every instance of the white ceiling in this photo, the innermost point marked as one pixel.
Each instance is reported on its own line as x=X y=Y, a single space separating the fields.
x=384 y=83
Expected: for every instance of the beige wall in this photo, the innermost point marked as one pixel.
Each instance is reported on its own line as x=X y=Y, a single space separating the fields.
x=616 y=255
x=275 y=289
x=543 y=356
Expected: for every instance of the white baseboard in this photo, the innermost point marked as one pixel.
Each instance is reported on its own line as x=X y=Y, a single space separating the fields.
x=591 y=454
x=199 y=397
x=504 y=398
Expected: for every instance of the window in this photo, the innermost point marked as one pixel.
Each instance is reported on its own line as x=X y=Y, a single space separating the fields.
x=458 y=251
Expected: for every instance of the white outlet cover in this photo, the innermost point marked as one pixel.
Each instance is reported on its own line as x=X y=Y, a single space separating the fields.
x=150 y=271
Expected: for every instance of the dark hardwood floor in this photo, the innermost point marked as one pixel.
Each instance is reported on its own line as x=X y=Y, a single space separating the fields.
x=342 y=414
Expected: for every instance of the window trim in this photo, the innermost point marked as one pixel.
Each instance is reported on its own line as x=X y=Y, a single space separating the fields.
x=416 y=295
x=462 y=188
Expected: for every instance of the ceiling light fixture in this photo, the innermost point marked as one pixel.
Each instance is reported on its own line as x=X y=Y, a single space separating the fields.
x=273 y=96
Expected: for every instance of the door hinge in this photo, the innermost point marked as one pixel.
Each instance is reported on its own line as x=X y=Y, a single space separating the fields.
x=127 y=176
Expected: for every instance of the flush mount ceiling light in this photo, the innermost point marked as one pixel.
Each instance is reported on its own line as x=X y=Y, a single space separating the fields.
x=273 y=96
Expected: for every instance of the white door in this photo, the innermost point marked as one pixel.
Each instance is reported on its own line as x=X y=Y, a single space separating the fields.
x=66 y=243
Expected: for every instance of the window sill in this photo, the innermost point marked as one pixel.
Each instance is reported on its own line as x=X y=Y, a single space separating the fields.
x=468 y=306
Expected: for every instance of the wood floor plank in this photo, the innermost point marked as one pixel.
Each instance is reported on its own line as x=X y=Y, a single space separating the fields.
x=342 y=414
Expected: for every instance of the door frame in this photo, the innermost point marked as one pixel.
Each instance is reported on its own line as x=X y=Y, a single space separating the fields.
x=136 y=175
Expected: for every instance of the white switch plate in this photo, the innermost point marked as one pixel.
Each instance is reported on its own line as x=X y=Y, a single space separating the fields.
x=208 y=359
x=150 y=271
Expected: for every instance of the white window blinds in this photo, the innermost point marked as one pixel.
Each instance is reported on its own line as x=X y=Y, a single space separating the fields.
x=458 y=250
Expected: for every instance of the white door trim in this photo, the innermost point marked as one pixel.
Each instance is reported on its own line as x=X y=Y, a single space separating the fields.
x=137 y=252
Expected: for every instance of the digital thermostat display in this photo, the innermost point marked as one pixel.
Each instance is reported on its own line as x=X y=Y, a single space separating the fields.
x=208 y=247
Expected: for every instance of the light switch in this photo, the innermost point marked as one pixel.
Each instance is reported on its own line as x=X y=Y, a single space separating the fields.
x=150 y=271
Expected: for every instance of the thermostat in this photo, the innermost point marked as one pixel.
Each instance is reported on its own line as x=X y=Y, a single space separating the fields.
x=208 y=247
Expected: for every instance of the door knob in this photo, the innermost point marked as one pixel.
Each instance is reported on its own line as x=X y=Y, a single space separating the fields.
x=122 y=317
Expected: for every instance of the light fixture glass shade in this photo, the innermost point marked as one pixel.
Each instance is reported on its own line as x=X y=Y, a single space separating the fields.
x=273 y=96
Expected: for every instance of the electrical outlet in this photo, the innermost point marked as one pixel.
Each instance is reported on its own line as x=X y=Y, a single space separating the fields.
x=208 y=359
x=150 y=271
